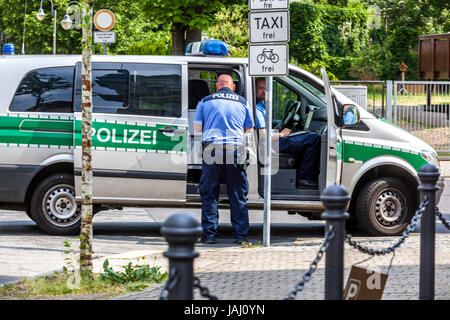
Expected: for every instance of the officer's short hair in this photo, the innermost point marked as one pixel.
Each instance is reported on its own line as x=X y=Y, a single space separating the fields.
x=259 y=79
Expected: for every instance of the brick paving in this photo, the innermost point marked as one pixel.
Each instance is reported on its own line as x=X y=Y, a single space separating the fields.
x=259 y=273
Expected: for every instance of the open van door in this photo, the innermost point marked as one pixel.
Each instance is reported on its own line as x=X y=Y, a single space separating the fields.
x=334 y=145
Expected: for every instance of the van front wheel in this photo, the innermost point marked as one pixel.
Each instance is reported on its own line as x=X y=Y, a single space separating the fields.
x=384 y=207
x=53 y=206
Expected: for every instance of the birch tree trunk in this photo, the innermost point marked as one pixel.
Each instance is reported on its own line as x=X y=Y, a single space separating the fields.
x=86 y=234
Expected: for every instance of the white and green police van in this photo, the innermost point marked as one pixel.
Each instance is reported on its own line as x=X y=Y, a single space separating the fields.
x=145 y=152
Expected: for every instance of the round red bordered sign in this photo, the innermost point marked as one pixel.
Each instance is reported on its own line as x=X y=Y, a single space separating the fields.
x=104 y=20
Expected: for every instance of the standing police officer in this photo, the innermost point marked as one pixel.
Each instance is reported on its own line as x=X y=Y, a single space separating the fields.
x=223 y=118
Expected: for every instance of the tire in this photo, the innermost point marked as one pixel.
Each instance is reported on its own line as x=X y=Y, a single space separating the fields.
x=28 y=212
x=53 y=205
x=384 y=207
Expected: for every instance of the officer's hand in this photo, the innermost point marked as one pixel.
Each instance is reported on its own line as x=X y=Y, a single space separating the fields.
x=285 y=132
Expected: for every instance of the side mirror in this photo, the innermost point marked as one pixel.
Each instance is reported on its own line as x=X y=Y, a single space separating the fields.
x=350 y=115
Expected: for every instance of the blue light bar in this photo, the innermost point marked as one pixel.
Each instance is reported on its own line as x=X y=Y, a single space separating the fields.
x=215 y=48
x=207 y=48
x=8 y=49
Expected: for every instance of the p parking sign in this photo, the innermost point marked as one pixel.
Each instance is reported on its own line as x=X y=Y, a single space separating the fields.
x=364 y=284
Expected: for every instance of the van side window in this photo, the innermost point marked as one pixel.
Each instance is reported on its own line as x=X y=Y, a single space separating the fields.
x=45 y=90
x=110 y=90
x=155 y=89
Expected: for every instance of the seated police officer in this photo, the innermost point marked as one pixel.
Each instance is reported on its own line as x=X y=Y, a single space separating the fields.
x=223 y=117
x=305 y=147
x=349 y=116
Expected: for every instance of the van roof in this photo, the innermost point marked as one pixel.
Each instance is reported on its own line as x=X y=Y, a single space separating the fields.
x=119 y=58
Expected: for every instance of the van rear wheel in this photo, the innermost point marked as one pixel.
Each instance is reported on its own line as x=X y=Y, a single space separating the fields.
x=384 y=207
x=53 y=206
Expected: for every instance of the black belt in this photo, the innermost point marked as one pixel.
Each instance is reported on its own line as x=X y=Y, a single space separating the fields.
x=221 y=146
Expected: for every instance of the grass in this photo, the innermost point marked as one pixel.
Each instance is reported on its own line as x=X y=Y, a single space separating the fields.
x=103 y=285
x=57 y=285
x=251 y=245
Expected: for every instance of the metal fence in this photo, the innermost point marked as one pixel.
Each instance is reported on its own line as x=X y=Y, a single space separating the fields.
x=422 y=108
x=375 y=94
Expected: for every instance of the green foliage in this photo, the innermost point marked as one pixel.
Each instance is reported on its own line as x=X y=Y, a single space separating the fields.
x=197 y=14
x=402 y=44
x=231 y=26
x=330 y=33
x=38 y=34
x=327 y=35
x=134 y=32
x=133 y=274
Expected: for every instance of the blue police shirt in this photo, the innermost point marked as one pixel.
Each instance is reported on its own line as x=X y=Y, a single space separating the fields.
x=223 y=117
x=260 y=115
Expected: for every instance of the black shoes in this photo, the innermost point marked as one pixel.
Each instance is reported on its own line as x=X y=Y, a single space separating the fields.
x=302 y=183
x=209 y=241
x=241 y=241
x=213 y=241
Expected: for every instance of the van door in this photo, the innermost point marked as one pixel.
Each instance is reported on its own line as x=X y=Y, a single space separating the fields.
x=139 y=135
x=334 y=152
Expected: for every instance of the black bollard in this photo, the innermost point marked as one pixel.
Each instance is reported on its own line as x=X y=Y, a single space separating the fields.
x=335 y=200
x=181 y=232
x=428 y=175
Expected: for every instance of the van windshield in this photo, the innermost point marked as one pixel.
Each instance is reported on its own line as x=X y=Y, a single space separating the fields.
x=310 y=88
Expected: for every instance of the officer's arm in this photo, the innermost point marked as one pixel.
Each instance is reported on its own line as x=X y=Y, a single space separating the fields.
x=283 y=133
x=198 y=120
x=248 y=130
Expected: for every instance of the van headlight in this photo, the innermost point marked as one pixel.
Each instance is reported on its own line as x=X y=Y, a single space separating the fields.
x=431 y=157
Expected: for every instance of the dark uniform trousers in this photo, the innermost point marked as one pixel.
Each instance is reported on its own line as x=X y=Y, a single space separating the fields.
x=237 y=188
x=306 y=148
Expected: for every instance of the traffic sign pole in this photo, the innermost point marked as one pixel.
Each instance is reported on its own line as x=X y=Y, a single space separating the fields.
x=268 y=56
x=268 y=163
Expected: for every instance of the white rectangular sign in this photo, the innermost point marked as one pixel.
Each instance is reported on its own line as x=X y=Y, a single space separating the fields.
x=104 y=37
x=268 y=4
x=271 y=26
x=268 y=60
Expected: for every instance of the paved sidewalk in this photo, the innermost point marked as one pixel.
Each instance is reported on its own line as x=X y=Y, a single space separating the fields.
x=259 y=273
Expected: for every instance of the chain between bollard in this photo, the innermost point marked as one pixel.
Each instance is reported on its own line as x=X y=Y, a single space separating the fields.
x=170 y=284
x=441 y=217
x=329 y=235
x=405 y=235
x=204 y=291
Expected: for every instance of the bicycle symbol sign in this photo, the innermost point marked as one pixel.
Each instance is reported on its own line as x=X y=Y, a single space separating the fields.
x=268 y=60
x=267 y=54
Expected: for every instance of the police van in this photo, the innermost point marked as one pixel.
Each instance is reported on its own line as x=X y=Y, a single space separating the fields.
x=145 y=151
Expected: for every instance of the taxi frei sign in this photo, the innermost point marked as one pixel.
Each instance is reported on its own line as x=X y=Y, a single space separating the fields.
x=269 y=34
x=268 y=4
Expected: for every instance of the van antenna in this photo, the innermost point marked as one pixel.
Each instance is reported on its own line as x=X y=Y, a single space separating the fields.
x=24 y=20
